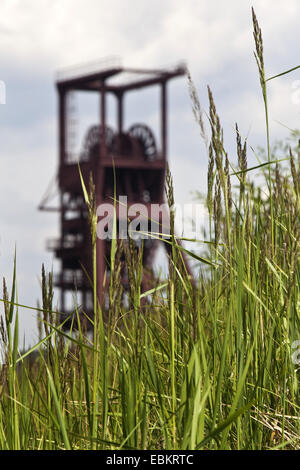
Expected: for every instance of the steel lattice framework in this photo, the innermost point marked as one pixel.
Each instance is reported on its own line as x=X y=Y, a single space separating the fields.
x=128 y=157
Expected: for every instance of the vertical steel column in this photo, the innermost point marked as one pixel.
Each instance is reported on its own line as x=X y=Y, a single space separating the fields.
x=103 y=149
x=163 y=137
x=120 y=112
x=120 y=119
x=99 y=192
x=164 y=120
x=62 y=125
x=62 y=119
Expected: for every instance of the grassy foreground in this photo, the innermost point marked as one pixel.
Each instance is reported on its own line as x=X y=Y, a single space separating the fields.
x=206 y=366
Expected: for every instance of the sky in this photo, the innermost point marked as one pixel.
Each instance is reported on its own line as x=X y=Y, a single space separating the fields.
x=214 y=38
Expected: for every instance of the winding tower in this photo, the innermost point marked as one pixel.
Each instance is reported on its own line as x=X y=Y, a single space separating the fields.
x=128 y=159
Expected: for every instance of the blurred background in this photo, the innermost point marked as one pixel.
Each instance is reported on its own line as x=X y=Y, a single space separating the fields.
x=214 y=38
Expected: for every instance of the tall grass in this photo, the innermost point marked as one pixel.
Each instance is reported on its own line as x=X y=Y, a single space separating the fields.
x=205 y=366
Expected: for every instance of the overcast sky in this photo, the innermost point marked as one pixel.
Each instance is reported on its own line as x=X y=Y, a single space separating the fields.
x=38 y=37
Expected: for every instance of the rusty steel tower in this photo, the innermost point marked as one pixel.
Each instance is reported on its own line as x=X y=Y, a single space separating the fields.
x=129 y=160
